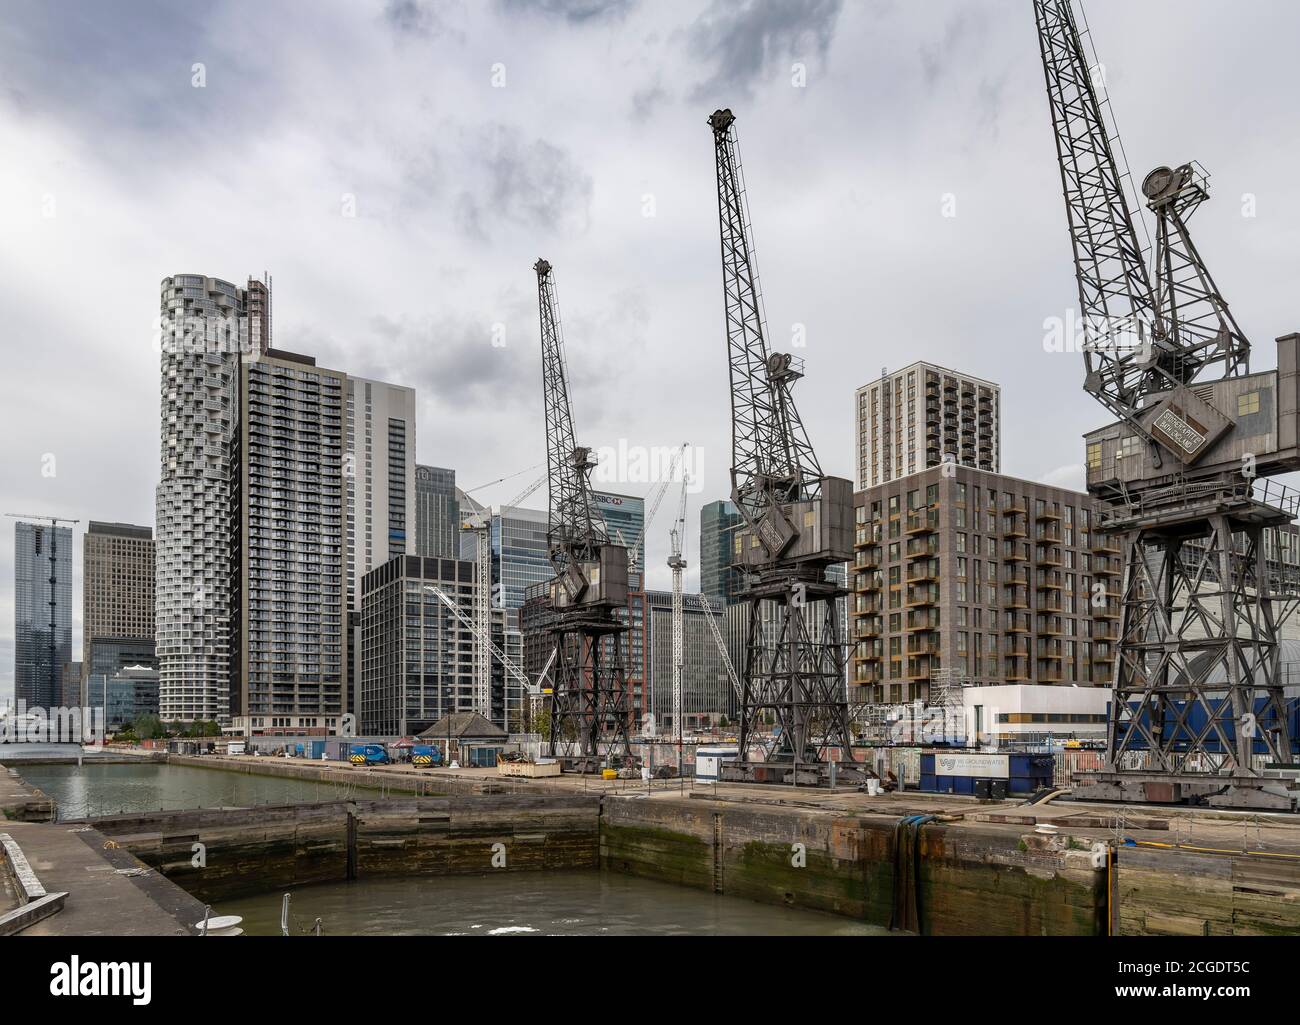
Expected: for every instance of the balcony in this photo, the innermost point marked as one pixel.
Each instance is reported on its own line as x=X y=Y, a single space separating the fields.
x=1019 y=623
x=1049 y=557
x=922 y=521
x=1108 y=611
x=917 y=669
x=1049 y=626
x=1015 y=597
x=867 y=583
x=1014 y=523
x=1101 y=544
x=921 y=547
x=1013 y=551
x=919 y=644
x=923 y=572
x=926 y=594
x=1050 y=601
x=1047 y=515
x=869 y=557
x=1051 y=649
x=927 y=619
x=1104 y=567
x=1050 y=581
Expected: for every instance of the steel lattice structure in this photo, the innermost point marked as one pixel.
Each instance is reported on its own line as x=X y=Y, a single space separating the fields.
x=589 y=693
x=794 y=673
x=1197 y=699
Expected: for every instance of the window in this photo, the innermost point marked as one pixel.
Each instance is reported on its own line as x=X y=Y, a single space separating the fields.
x=1130 y=446
x=1094 y=456
x=1248 y=403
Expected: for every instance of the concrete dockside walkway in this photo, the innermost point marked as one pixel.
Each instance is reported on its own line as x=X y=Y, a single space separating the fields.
x=109 y=891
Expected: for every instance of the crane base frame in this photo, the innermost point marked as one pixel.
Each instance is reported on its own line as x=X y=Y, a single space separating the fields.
x=1197 y=682
x=589 y=692
x=798 y=676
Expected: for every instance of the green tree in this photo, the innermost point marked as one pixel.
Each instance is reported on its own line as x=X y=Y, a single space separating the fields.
x=147 y=727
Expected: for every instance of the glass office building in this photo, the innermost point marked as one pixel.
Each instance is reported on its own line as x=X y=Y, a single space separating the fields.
x=42 y=612
x=624 y=518
x=437 y=513
x=718 y=523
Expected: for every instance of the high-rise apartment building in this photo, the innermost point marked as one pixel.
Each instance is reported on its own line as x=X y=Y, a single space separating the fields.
x=992 y=579
x=924 y=415
x=380 y=474
x=718 y=581
x=437 y=513
x=117 y=585
x=206 y=326
x=42 y=612
x=288 y=585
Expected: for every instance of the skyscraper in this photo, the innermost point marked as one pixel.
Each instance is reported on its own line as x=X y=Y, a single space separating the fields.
x=519 y=551
x=437 y=513
x=624 y=517
x=924 y=415
x=289 y=572
x=205 y=326
x=718 y=581
x=117 y=587
x=706 y=691
x=380 y=475
x=42 y=612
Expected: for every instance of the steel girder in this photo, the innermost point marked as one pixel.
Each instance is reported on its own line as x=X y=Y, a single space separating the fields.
x=794 y=669
x=1197 y=682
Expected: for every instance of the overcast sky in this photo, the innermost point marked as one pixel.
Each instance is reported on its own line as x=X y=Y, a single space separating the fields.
x=470 y=137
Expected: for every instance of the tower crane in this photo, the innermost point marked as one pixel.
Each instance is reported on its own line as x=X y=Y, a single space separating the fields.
x=1198 y=704
x=656 y=499
x=54 y=680
x=677 y=563
x=797 y=523
x=480 y=523
x=589 y=695
x=528 y=689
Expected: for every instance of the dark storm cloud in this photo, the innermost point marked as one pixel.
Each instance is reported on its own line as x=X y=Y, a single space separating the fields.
x=514 y=180
x=744 y=39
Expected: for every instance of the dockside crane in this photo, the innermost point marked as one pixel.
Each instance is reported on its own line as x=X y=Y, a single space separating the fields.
x=797 y=523
x=589 y=721
x=1198 y=711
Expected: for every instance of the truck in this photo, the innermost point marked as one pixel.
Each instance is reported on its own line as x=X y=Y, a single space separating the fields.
x=426 y=756
x=368 y=754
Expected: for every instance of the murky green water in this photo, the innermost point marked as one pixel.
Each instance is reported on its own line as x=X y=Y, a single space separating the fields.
x=91 y=789
x=528 y=903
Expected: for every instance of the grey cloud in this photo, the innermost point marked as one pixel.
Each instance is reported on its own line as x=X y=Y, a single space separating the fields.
x=644 y=101
x=742 y=40
x=411 y=17
x=513 y=180
x=574 y=11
